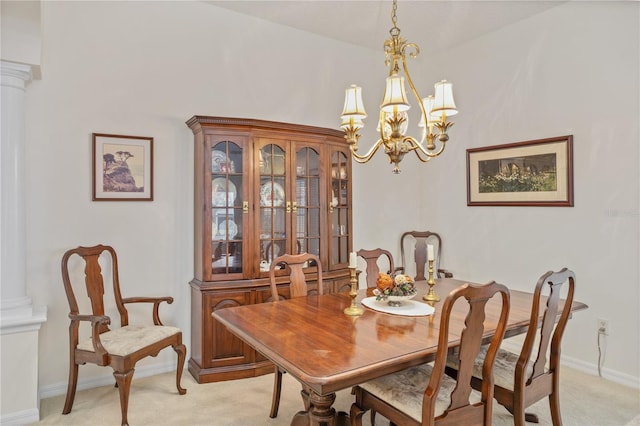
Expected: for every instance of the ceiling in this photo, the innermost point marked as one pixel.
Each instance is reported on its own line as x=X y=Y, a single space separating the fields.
x=433 y=25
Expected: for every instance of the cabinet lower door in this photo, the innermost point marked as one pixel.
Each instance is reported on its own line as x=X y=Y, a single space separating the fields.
x=226 y=357
x=341 y=285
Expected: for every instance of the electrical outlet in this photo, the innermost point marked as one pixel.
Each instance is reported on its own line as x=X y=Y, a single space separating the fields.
x=603 y=326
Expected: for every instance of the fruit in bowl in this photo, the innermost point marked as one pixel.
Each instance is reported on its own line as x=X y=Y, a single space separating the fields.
x=394 y=289
x=384 y=282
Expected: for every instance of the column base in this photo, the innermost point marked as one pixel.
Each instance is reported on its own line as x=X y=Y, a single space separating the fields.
x=19 y=364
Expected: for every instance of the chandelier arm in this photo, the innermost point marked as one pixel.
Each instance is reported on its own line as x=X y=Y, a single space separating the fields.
x=366 y=157
x=424 y=160
x=422 y=150
x=410 y=81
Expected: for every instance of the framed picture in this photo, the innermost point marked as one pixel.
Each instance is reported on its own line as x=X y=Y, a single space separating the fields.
x=531 y=173
x=122 y=168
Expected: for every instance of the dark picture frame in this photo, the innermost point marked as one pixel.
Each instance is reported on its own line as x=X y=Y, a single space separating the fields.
x=122 y=167
x=530 y=173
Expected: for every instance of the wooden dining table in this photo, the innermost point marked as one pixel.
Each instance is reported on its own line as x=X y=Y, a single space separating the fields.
x=326 y=350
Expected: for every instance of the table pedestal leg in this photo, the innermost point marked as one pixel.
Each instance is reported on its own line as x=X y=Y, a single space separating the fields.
x=321 y=413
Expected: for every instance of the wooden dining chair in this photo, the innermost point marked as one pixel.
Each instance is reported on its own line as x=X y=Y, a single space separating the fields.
x=524 y=379
x=295 y=263
x=371 y=258
x=372 y=269
x=120 y=348
x=424 y=395
x=418 y=241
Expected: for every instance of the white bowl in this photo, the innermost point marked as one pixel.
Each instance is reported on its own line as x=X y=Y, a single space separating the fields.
x=398 y=300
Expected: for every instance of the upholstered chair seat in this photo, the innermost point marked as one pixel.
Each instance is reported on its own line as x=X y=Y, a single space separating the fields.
x=130 y=339
x=503 y=369
x=406 y=389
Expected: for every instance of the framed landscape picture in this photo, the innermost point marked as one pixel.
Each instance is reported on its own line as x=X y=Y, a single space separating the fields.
x=531 y=173
x=122 y=168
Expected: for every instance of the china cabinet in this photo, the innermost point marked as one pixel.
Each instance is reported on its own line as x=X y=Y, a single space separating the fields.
x=262 y=189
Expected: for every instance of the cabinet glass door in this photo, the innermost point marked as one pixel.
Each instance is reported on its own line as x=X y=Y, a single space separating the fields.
x=227 y=222
x=339 y=208
x=306 y=209
x=273 y=205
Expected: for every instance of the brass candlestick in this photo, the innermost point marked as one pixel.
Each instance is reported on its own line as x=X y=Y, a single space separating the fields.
x=431 y=296
x=353 y=310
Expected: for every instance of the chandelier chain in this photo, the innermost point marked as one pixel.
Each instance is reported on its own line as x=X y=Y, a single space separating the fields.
x=394 y=31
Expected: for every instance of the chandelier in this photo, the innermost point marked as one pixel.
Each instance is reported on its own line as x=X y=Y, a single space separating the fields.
x=393 y=119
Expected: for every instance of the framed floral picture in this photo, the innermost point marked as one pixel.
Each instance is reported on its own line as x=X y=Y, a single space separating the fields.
x=530 y=173
x=122 y=168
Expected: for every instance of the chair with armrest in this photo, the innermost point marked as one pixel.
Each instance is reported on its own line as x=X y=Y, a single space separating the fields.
x=524 y=379
x=119 y=348
x=418 y=240
x=424 y=395
x=296 y=263
x=371 y=258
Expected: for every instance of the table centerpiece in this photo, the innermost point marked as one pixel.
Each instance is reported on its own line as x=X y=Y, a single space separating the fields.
x=394 y=289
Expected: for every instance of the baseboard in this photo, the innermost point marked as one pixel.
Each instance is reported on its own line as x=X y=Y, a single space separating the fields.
x=102 y=380
x=607 y=373
x=24 y=417
x=515 y=345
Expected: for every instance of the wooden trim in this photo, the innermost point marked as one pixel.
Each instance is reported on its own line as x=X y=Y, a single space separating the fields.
x=254 y=124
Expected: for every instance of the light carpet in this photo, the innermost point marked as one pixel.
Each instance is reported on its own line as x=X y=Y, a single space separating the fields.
x=585 y=400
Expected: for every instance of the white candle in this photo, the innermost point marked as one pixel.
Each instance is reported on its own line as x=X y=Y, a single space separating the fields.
x=352 y=260
x=429 y=252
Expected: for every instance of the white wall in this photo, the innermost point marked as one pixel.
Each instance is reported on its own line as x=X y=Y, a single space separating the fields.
x=144 y=68
x=21 y=33
x=570 y=70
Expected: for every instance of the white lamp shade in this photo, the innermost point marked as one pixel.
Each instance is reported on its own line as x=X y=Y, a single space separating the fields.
x=353 y=105
x=395 y=95
x=350 y=121
x=428 y=106
x=443 y=102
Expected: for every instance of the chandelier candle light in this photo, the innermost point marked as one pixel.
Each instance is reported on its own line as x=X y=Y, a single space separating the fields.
x=394 y=119
x=353 y=310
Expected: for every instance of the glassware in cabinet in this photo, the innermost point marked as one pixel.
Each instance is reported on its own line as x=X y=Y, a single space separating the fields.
x=306 y=209
x=273 y=204
x=227 y=202
x=339 y=207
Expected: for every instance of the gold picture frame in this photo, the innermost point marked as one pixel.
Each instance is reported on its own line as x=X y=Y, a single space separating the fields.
x=122 y=167
x=531 y=173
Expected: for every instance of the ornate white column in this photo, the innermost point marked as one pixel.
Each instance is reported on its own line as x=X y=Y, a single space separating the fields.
x=15 y=302
x=19 y=321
